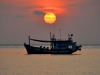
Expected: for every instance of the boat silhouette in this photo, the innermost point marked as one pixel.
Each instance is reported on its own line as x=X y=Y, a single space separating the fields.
x=56 y=46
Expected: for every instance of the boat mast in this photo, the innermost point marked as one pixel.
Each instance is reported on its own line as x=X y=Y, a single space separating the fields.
x=50 y=40
x=50 y=36
x=29 y=39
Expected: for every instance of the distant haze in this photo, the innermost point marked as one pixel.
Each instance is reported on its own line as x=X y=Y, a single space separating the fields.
x=21 y=18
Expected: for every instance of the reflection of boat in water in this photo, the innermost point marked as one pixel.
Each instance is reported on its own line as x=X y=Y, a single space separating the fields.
x=56 y=46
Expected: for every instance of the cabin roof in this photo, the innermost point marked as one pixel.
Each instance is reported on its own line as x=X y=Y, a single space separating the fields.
x=57 y=41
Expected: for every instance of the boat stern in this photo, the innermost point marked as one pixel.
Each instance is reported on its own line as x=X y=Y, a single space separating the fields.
x=79 y=47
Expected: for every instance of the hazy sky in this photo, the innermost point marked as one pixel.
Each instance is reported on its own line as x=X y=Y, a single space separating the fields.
x=19 y=18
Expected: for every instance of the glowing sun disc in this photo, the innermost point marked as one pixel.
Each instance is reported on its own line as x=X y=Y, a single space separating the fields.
x=49 y=18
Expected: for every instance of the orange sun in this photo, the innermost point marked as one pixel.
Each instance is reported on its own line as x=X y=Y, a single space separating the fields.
x=49 y=18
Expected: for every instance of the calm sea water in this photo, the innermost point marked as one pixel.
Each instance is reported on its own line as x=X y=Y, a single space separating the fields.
x=15 y=61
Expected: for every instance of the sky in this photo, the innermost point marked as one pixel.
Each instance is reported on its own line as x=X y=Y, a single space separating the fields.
x=21 y=18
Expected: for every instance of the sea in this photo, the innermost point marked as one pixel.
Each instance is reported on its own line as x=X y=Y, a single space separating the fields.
x=14 y=60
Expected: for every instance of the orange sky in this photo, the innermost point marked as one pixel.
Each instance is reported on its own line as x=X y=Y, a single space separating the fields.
x=24 y=17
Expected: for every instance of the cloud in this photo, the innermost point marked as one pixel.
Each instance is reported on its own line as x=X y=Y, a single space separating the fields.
x=37 y=12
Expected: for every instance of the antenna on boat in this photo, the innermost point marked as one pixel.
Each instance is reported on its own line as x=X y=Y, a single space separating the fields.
x=50 y=36
x=71 y=35
x=68 y=35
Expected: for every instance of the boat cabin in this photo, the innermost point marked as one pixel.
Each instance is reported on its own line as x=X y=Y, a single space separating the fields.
x=63 y=44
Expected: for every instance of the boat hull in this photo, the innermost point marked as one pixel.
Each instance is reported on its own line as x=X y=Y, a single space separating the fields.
x=38 y=50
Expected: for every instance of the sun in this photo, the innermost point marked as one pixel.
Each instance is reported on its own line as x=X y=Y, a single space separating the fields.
x=49 y=18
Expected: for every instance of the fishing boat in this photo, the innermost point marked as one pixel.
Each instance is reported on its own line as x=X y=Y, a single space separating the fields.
x=57 y=46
